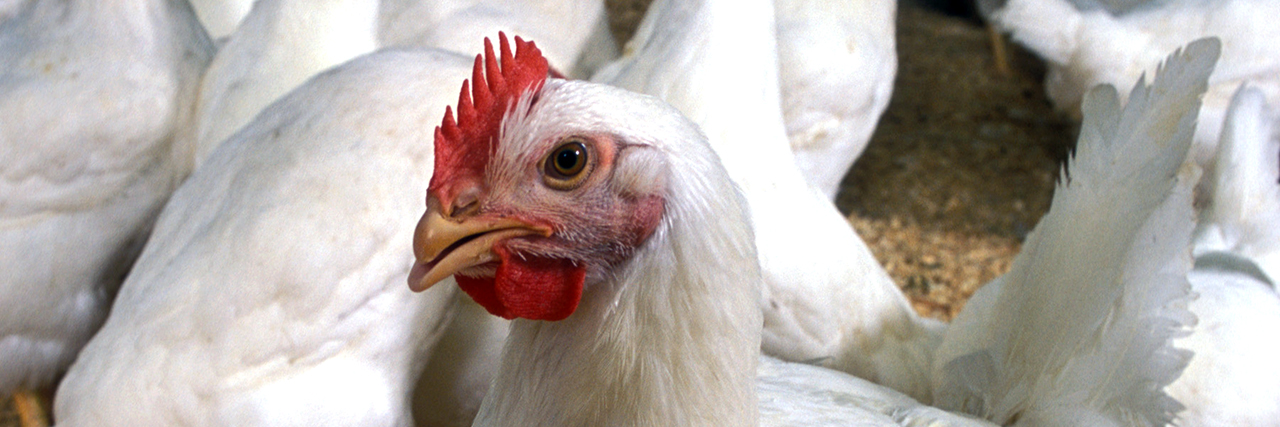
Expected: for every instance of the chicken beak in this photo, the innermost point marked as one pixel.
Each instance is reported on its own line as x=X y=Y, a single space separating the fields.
x=443 y=247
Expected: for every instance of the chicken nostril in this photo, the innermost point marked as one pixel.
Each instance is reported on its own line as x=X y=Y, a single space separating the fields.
x=465 y=203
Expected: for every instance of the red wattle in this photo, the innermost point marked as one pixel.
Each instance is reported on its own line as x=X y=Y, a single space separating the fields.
x=528 y=287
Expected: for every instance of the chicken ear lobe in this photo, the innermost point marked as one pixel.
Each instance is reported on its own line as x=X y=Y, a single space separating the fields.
x=528 y=287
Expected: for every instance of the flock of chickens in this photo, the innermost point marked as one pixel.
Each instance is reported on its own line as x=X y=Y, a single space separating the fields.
x=210 y=209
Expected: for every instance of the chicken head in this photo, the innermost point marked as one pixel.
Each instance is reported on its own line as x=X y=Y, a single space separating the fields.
x=534 y=195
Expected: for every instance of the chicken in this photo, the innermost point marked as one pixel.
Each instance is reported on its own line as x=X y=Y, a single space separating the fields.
x=91 y=95
x=1091 y=42
x=1233 y=378
x=604 y=223
x=221 y=17
x=280 y=44
x=1080 y=331
x=836 y=68
x=826 y=298
x=577 y=37
x=575 y=33
x=272 y=290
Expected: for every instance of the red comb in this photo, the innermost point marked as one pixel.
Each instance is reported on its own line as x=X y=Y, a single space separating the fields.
x=463 y=147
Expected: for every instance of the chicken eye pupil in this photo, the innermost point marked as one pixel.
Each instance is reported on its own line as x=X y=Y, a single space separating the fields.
x=568 y=160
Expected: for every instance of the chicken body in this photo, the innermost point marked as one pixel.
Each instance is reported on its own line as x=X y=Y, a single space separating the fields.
x=826 y=298
x=280 y=44
x=91 y=96
x=272 y=291
x=836 y=63
x=1233 y=378
x=1089 y=42
x=575 y=34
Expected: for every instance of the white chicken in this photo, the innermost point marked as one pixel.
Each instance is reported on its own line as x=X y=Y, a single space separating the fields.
x=91 y=95
x=1080 y=330
x=1233 y=379
x=272 y=290
x=826 y=299
x=280 y=44
x=605 y=224
x=1091 y=42
x=836 y=68
x=574 y=33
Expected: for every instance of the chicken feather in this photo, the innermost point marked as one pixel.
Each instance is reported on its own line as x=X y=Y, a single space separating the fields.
x=1080 y=328
x=272 y=290
x=826 y=298
x=91 y=96
x=278 y=46
x=1086 y=45
x=1243 y=213
x=1233 y=378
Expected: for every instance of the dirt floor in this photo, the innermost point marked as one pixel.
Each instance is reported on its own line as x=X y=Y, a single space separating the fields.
x=962 y=164
x=959 y=170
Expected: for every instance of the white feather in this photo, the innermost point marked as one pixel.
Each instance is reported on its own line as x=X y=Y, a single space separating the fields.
x=826 y=298
x=272 y=291
x=1242 y=213
x=280 y=44
x=1079 y=330
x=91 y=95
x=1234 y=378
x=573 y=35
x=1086 y=45
x=794 y=394
x=837 y=64
x=672 y=335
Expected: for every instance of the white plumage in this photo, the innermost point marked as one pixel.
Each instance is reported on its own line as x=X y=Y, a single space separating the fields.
x=272 y=291
x=91 y=95
x=280 y=44
x=574 y=35
x=1242 y=213
x=796 y=394
x=1091 y=42
x=826 y=299
x=667 y=335
x=836 y=68
x=1233 y=379
x=1079 y=331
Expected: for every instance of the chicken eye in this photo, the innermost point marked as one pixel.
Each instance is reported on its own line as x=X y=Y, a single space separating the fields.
x=566 y=165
